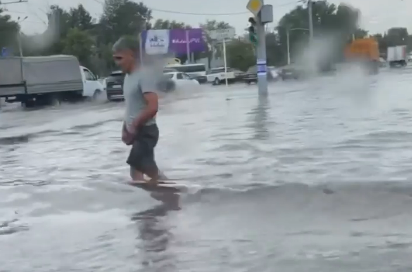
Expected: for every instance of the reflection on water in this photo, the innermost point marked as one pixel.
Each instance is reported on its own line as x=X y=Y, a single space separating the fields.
x=154 y=233
x=259 y=170
x=260 y=118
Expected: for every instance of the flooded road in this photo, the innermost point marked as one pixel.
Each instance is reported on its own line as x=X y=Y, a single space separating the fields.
x=313 y=177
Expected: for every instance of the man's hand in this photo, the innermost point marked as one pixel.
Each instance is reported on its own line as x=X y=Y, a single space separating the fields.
x=127 y=137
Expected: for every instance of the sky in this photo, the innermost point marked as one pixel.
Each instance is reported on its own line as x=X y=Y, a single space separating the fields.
x=377 y=15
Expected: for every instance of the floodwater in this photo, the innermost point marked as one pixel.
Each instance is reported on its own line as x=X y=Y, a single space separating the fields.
x=313 y=177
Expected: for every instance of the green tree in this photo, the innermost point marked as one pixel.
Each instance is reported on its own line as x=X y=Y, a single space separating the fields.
x=397 y=36
x=80 y=18
x=328 y=19
x=166 y=24
x=213 y=25
x=382 y=41
x=9 y=30
x=58 y=21
x=80 y=44
x=393 y=37
x=122 y=17
x=240 y=54
x=274 y=50
x=208 y=26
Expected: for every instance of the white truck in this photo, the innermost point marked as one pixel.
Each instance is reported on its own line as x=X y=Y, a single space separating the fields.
x=46 y=80
x=397 y=56
x=218 y=75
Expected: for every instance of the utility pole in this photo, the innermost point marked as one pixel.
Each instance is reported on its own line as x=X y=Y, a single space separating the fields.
x=261 y=56
x=263 y=14
x=310 y=20
x=19 y=37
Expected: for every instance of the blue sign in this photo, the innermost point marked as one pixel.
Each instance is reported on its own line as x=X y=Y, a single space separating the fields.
x=4 y=52
x=261 y=67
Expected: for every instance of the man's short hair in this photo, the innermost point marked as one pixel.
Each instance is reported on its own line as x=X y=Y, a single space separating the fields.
x=127 y=43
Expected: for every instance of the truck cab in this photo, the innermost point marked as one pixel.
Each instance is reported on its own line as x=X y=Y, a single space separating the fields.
x=92 y=87
x=365 y=51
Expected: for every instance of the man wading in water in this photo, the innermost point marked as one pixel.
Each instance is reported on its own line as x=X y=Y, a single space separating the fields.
x=140 y=94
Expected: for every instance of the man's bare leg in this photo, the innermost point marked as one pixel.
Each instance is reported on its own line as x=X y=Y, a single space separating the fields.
x=136 y=175
x=162 y=176
x=154 y=176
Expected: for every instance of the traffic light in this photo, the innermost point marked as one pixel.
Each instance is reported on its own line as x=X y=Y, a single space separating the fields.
x=252 y=31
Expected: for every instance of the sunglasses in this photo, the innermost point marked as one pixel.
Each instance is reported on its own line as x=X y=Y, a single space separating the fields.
x=118 y=58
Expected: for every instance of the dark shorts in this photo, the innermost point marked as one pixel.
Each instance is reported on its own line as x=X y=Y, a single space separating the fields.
x=141 y=155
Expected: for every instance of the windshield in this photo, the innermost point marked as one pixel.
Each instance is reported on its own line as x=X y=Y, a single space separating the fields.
x=169 y=76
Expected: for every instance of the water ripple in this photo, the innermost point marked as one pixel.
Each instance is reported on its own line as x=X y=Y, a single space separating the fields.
x=313 y=177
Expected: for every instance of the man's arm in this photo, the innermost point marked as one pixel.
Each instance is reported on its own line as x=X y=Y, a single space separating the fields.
x=150 y=111
x=126 y=137
x=148 y=87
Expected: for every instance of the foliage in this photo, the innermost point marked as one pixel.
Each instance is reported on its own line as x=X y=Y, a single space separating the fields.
x=122 y=17
x=80 y=18
x=240 y=54
x=210 y=25
x=339 y=22
x=78 y=43
x=166 y=24
x=75 y=32
x=9 y=31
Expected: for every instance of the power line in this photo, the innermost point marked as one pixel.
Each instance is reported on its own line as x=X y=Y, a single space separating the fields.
x=208 y=14
x=37 y=16
x=193 y=13
x=216 y=14
x=13 y=2
x=26 y=13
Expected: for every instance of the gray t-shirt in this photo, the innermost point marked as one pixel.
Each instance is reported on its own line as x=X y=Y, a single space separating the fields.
x=134 y=86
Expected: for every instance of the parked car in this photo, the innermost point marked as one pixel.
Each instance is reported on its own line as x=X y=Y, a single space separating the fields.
x=218 y=75
x=103 y=82
x=200 y=79
x=251 y=75
x=291 y=72
x=114 y=85
x=180 y=80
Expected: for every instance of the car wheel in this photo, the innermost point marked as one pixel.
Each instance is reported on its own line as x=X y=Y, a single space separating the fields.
x=170 y=86
x=96 y=95
x=54 y=100
x=216 y=81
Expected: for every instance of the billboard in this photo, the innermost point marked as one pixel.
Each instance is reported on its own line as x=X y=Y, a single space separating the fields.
x=163 y=41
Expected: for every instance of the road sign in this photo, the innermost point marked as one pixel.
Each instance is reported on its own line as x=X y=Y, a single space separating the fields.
x=254 y=6
x=4 y=52
x=222 y=34
x=261 y=67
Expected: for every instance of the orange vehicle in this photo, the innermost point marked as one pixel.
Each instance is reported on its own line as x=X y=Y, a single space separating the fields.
x=364 y=50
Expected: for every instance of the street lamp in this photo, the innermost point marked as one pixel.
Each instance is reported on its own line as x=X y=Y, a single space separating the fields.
x=19 y=36
x=287 y=39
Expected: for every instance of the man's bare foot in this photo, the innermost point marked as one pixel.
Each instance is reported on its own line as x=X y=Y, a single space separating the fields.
x=153 y=182
x=137 y=181
x=162 y=176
